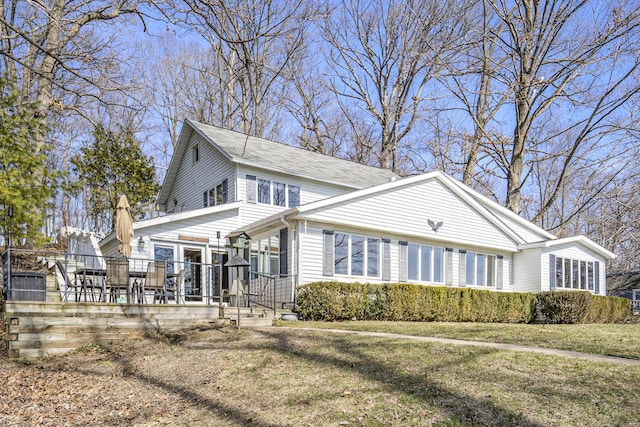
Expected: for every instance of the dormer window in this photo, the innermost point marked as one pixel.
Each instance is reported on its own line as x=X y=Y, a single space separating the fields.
x=265 y=191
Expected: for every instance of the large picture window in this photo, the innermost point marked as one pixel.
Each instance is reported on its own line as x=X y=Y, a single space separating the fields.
x=356 y=255
x=425 y=263
x=480 y=269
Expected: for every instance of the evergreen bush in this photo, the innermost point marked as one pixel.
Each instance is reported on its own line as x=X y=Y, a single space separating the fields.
x=332 y=301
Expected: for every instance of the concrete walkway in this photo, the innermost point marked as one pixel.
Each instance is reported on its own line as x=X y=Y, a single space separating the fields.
x=500 y=346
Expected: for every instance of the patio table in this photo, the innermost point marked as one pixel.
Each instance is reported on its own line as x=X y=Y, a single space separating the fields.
x=99 y=274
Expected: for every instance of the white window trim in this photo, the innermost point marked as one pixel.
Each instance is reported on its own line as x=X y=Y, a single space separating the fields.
x=365 y=259
x=432 y=264
x=487 y=259
x=590 y=279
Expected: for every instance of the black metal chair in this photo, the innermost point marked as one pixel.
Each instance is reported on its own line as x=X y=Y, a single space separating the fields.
x=80 y=286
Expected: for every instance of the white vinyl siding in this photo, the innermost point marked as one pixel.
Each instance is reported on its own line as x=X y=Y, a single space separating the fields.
x=392 y=267
x=408 y=209
x=305 y=190
x=196 y=178
x=529 y=272
x=576 y=264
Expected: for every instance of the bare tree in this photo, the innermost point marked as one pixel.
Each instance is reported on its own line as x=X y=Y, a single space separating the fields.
x=251 y=44
x=572 y=67
x=383 y=55
x=479 y=93
x=59 y=52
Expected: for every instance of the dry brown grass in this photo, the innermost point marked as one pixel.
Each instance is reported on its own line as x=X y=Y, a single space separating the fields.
x=289 y=377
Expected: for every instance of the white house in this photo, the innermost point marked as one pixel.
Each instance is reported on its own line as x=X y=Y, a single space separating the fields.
x=313 y=217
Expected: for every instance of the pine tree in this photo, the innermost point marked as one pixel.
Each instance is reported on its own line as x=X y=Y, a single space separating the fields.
x=25 y=181
x=114 y=164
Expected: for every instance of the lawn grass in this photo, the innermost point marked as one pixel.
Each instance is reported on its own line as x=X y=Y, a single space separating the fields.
x=286 y=376
x=620 y=340
x=313 y=378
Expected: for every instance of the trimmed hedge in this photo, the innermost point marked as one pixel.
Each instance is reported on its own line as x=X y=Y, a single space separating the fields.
x=582 y=307
x=332 y=301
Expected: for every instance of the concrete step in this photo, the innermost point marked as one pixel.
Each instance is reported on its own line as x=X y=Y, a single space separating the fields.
x=252 y=321
x=232 y=312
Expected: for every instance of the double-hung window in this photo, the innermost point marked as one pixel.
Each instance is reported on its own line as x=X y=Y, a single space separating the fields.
x=217 y=195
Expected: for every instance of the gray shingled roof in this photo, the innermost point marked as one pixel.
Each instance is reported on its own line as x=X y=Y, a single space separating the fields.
x=267 y=154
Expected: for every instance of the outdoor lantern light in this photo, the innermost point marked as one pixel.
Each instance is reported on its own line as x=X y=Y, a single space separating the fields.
x=140 y=243
x=239 y=241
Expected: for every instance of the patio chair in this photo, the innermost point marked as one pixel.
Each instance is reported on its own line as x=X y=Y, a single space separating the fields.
x=176 y=285
x=78 y=286
x=82 y=284
x=155 y=281
x=117 y=278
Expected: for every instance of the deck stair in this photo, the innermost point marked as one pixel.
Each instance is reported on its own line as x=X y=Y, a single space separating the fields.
x=249 y=316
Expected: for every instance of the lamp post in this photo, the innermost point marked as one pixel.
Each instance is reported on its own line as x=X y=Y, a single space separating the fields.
x=10 y=215
x=237 y=241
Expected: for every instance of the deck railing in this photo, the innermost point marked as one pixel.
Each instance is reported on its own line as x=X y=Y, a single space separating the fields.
x=275 y=292
x=36 y=275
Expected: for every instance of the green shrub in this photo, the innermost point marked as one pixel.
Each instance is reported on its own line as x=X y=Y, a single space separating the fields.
x=565 y=307
x=581 y=307
x=332 y=301
x=339 y=301
x=607 y=309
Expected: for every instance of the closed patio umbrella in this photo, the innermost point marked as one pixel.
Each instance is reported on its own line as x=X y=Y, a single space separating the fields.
x=124 y=226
